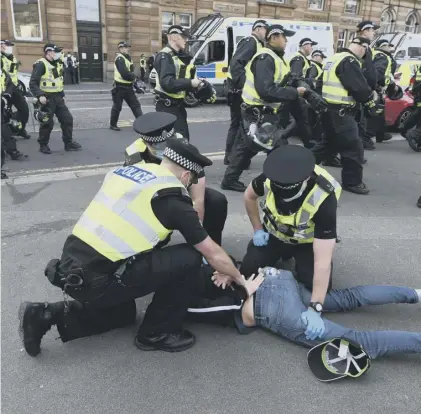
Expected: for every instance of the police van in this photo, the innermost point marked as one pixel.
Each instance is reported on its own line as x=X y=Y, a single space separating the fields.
x=407 y=45
x=214 y=39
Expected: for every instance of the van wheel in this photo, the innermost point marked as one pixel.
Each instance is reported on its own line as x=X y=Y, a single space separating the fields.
x=191 y=101
x=403 y=116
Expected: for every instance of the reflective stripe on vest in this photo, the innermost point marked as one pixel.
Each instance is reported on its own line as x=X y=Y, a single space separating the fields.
x=117 y=75
x=259 y=46
x=11 y=67
x=182 y=71
x=137 y=146
x=388 y=72
x=300 y=226
x=49 y=83
x=120 y=221
x=250 y=95
x=306 y=66
x=333 y=90
x=319 y=70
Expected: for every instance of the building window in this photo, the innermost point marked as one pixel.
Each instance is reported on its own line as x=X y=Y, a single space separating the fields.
x=344 y=38
x=386 y=21
x=167 y=20
x=352 y=6
x=316 y=4
x=185 y=20
x=87 y=10
x=351 y=36
x=411 y=24
x=26 y=20
x=276 y=1
x=215 y=52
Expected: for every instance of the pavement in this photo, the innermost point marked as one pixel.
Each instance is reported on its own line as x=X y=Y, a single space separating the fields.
x=224 y=373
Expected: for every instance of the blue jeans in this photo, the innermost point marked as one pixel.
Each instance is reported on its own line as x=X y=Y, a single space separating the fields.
x=280 y=300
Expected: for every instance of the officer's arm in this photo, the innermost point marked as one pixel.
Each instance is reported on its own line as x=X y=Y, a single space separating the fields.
x=353 y=80
x=296 y=65
x=380 y=63
x=124 y=72
x=245 y=51
x=312 y=73
x=165 y=70
x=369 y=70
x=263 y=69
x=252 y=206
x=34 y=83
x=197 y=194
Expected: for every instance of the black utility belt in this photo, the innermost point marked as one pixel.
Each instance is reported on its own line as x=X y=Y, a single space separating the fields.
x=342 y=109
x=168 y=100
x=257 y=110
x=123 y=85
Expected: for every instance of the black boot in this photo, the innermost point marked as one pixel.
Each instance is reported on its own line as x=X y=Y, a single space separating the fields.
x=419 y=202
x=368 y=144
x=168 y=342
x=36 y=319
x=227 y=160
x=332 y=162
x=3 y=175
x=17 y=156
x=386 y=137
x=115 y=128
x=361 y=189
x=72 y=146
x=44 y=148
x=235 y=186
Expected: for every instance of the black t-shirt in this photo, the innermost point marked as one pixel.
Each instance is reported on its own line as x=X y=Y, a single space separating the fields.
x=325 y=218
x=174 y=211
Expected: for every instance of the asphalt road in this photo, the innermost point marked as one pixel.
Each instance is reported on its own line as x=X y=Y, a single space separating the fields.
x=224 y=373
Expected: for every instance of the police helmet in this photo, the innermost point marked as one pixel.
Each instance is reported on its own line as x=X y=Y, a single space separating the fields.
x=392 y=93
x=15 y=125
x=205 y=92
x=265 y=137
x=42 y=114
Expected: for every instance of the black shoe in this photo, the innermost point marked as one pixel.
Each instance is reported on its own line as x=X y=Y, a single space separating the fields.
x=226 y=160
x=35 y=321
x=24 y=134
x=115 y=128
x=418 y=202
x=17 y=156
x=386 y=137
x=3 y=175
x=332 y=162
x=235 y=186
x=171 y=342
x=368 y=144
x=356 y=189
x=72 y=146
x=45 y=149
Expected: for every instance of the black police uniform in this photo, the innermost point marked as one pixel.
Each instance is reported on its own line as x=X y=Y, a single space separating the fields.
x=340 y=127
x=246 y=49
x=123 y=91
x=55 y=104
x=150 y=127
x=278 y=169
x=17 y=99
x=263 y=70
x=105 y=300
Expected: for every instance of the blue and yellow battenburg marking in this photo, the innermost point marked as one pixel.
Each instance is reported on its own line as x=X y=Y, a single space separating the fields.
x=212 y=71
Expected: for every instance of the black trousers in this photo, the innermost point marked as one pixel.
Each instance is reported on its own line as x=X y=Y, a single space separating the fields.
x=275 y=249
x=180 y=112
x=19 y=102
x=58 y=107
x=124 y=93
x=341 y=135
x=8 y=143
x=170 y=273
x=300 y=111
x=233 y=131
x=142 y=74
x=216 y=211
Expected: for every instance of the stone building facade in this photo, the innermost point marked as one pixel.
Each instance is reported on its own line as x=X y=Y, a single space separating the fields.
x=93 y=28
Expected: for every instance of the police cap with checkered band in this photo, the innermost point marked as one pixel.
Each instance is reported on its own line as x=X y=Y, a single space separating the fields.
x=155 y=127
x=177 y=29
x=278 y=29
x=186 y=155
x=289 y=165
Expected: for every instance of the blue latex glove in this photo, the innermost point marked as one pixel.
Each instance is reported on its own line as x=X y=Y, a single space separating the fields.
x=260 y=238
x=315 y=324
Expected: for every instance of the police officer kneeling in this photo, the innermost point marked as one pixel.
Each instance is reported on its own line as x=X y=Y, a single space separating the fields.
x=115 y=254
x=155 y=129
x=299 y=217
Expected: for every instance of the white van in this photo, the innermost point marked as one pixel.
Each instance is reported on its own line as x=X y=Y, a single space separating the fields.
x=213 y=40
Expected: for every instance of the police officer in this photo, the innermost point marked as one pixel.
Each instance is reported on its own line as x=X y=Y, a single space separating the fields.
x=300 y=63
x=9 y=64
x=263 y=94
x=383 y=62
x=344 y=86
x=246 y=49
x=46 y=85
x=367 y=29
x=174 y=77
x=123 y=85
x=299 y=217
x=155 y=129
x=115 y=254
x=142 y=65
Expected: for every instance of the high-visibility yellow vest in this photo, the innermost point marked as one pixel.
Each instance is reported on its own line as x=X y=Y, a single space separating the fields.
x=117 y=75
x=388 y=73
x=120 y=222
x=319 y=70
x=11 y=67
x=259 y=46
x=49 y=82
x=182 y=71
x=3 y=82
x=298 y=228
x=134 y=152
x=250 y=95
x=306 y=66
x=333 y=91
